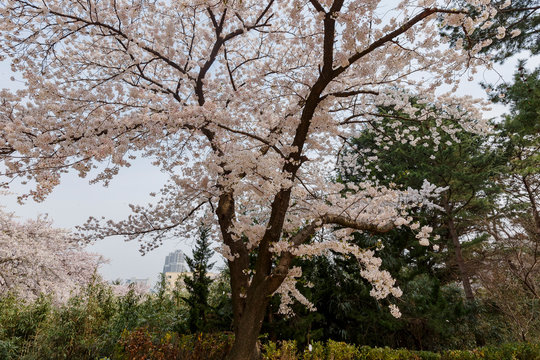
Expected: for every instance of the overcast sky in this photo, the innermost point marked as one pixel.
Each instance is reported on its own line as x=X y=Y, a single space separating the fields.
x=72 y=202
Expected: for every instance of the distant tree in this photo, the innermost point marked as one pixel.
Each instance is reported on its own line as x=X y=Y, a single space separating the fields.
x=36 y=258
x=198 y=284
x=221 y=315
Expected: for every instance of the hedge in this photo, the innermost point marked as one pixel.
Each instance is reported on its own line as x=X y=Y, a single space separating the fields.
x=141 y=344
x=333 y=350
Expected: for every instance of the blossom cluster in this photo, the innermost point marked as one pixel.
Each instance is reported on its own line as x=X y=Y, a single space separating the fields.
x=247 y=105
x=36 y=258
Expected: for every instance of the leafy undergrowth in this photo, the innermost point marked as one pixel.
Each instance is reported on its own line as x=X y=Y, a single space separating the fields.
x=98 y=325
x=333 y=350
x=140 y=344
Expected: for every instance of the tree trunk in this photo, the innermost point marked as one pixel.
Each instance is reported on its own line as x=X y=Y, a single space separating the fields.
x=534 y=207
x=459 y=259
x=465 y=280
x=247 y=328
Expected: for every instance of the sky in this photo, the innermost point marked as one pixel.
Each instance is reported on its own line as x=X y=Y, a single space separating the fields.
x=74 y=200
x=71 y=203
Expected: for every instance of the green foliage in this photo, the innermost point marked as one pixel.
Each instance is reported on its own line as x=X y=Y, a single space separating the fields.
x=333 y=350
x=515 y=225
x=220 y=318
x=198 y=285
x=97 y=324
x=100 y=325
x=522 y=15
x=386 y=353
x=141 y=344
x=341 y=351
x=284 y=350
x=317 y=351
x=464 y=163
x=89 y=325
x=435 y=315
x=512 y=351
x=19 y=322
x=523 y=97
x=520 y=129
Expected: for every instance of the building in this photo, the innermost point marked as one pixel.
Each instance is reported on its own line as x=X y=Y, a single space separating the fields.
x=175 y=262
x=175 y=269
x=172 y=277
x=145 y=283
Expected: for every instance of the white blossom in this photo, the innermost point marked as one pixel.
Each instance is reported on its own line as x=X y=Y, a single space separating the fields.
x=36 y=258
x=247 y=110
x=501 y=32
x=394 y=310
x=515 y=33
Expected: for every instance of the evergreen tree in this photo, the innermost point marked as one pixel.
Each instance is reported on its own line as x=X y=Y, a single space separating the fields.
x=465 y=164
x=512 y=275
x=221 y=316
x=520 y=134
x=435 y=315
x=198 y=285
x=521 y=21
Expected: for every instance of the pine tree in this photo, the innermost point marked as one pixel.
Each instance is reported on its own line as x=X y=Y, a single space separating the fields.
x=512 y=275
x=465 y=164
x=198 y=285
x=521 y=21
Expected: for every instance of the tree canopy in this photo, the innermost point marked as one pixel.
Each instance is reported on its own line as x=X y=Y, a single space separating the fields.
x=36 y=259
x=246 y=105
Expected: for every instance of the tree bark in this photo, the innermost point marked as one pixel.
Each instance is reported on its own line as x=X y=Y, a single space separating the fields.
x=247 y=328
x=534 y=207
x=469 y=295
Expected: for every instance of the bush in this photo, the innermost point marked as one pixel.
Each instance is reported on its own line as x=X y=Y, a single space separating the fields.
x=316 y=352
x=19 y=323
x=286 y=350
x=88 y=326
x=141 y=344
x=503 y=352
x=341 y=351
x=333 y=350
x=96 y=324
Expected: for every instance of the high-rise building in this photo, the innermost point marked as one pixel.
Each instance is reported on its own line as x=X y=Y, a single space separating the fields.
x=175 y=262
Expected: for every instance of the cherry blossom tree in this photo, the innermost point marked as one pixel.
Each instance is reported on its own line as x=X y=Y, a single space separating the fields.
x=36 y=258
x=246 y=104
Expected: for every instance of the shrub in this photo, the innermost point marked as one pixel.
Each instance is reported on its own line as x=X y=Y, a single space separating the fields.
x=286 y=350
x=317 y=352
x=341 y=351
x=141 y=344
x=503 y=352
x=96 y=324
x=19 y=323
